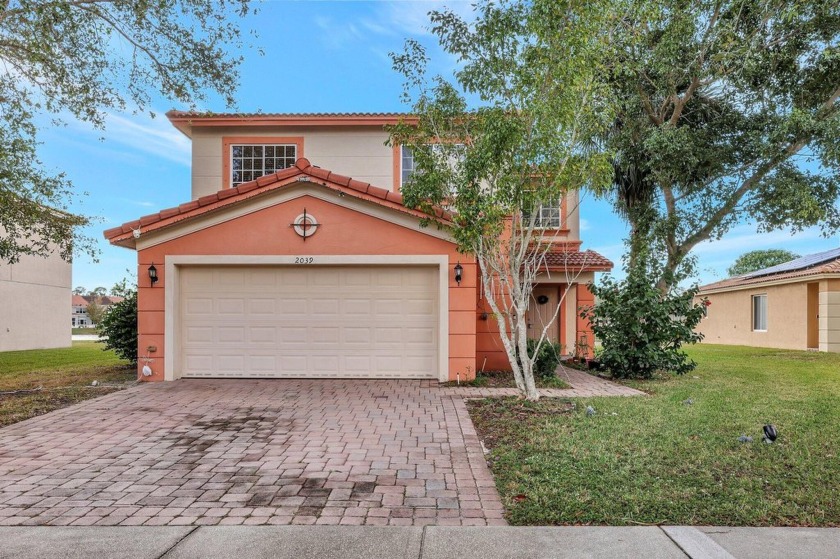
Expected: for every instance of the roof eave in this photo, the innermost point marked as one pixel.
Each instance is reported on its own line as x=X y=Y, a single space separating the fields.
x=185 y=121
x=706 y=290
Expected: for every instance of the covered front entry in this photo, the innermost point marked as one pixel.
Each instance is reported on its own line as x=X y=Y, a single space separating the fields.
x=309 y=321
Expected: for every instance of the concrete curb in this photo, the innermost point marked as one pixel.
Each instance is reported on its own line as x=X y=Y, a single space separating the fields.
x=431 y=542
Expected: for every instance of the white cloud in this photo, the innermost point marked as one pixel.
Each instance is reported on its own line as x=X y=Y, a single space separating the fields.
x=585 y=225
x=411 y=16
x=154 y=136
x=744 y=238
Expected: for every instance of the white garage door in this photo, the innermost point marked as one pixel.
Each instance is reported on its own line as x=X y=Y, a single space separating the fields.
x=315 y=321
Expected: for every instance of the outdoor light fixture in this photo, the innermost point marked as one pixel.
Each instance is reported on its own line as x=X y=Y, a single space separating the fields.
x=153 y=274
x=459 y=272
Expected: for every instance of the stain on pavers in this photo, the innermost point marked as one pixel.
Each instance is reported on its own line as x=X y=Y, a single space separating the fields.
x=204 y=452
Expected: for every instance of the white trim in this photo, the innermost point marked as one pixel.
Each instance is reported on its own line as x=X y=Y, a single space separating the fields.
x=173 y=286
x=763 y=284
x=282 y=196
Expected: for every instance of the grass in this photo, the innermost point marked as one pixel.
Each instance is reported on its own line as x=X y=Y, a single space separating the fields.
x=504 y=379
x=54 y=378
x=89 y=331
x=661 y=460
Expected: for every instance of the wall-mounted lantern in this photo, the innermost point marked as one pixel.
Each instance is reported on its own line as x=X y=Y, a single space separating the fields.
x=459 y=273
x=153 y=277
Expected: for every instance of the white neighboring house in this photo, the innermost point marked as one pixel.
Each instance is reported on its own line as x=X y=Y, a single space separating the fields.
x=79 y=317
x=33 y=296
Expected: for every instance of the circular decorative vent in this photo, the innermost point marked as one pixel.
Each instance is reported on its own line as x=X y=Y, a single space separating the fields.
x=305 y=225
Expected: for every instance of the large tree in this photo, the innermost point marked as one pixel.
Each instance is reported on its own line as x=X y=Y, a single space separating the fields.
x=728 y=112
x=760 y=259
x=526 y=142
x=82 y=59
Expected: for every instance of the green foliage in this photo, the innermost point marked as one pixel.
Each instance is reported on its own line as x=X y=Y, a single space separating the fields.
x=86 y=59
x=760 y=259
x=726 y=111
x=95 y=311
x=641 y=329
x=548 y=357
x=533 y=72
x=120 y=326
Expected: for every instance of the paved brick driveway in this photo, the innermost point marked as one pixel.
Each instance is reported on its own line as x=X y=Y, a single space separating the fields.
x=251 y=452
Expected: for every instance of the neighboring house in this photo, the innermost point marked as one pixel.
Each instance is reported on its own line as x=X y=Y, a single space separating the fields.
x=306 y=272
x=795 y=305
x=33 y=295
x=78 y=315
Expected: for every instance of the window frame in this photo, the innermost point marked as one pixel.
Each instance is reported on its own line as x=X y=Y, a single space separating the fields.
x=762 y=308
x=228 y=142
x=398 y=163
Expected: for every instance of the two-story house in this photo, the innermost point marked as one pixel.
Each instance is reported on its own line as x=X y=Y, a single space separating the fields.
x=282 y=265
x=79 y=317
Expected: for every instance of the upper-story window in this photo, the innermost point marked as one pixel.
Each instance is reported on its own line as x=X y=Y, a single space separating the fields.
x=408 y=166
x=549 y=216
x=251 y=161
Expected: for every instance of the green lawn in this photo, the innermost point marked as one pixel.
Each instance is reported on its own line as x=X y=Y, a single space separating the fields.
x=660 y=460
x=504 y=379
x=89 y=331
x=38 y=381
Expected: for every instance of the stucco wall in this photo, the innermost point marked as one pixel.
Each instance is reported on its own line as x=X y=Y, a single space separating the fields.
x=491 y=353
x=829 y=321
x=35 y=298
x=343 y=232
x=358 y=152
x=729 y=319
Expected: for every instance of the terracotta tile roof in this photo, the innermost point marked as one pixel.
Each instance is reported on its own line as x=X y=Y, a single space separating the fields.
x=84 y=300
x=587 y=260
x=301 y=171
x=831 y=267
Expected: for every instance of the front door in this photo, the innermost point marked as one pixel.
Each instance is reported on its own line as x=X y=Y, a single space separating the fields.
x=543 y=310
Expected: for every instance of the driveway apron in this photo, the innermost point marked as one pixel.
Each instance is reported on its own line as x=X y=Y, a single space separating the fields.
x=205 y=452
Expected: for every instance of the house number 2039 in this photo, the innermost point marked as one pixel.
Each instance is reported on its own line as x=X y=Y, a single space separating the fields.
x=304 y=259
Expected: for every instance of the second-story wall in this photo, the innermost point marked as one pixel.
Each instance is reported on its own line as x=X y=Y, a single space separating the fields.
x=358 y=152
x=355 y=151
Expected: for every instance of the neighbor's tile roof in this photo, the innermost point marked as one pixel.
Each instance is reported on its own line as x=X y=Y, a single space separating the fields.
x=301 y=171
x=831 y=267
x=84 y=300
x=587 y=260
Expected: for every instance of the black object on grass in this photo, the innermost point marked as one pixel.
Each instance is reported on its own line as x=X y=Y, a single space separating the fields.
x=770 y=433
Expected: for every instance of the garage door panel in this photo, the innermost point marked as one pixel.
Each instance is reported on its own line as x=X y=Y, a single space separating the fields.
x=262 y=306
x=359 y=322
x=354 y=335
x=198 y=305
x=329 y=307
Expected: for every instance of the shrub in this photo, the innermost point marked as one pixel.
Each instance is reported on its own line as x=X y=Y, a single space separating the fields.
x=640 y=329
x=120 y=326
x=547 y=359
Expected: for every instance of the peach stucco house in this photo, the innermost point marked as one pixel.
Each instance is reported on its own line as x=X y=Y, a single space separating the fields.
x=795 y=305
x=282 y=265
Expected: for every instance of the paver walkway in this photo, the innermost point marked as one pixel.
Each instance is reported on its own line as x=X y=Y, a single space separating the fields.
x=203 y=452
x=583 y=385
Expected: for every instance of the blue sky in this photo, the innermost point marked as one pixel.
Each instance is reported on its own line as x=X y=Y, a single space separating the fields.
x=321 y=56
